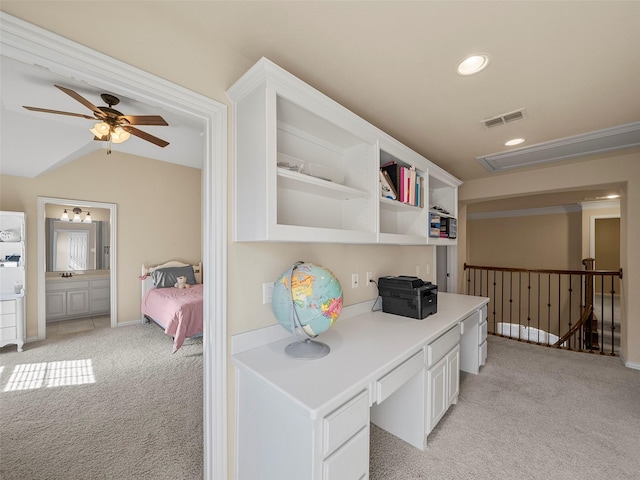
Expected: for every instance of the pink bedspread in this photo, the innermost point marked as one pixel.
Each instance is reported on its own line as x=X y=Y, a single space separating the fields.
x=177 y=310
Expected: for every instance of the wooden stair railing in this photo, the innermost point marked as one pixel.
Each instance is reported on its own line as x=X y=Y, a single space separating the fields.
x=584 y=319
x=549 y=307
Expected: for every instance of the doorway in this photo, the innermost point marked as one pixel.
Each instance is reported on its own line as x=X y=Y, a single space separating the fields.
x=34 y=46
x=46 y=260
x=606 y=249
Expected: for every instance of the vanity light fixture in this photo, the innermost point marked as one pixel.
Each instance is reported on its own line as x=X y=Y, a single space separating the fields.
x=76 y=216
x=513 y=142
x=473 y=64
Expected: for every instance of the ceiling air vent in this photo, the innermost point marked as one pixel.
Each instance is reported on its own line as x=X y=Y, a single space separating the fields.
x=504 y=118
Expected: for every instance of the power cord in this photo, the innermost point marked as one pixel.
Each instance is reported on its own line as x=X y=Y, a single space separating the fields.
x=373 y=307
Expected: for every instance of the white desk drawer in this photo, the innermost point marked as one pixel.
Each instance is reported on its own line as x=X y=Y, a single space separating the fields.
x=10 y=333
x=482 y=353
x=351 y=461
x=343 y=422
x=7 y=306
x=440 y=347
x=8 y=320
x=483 y=332
x=397 y=377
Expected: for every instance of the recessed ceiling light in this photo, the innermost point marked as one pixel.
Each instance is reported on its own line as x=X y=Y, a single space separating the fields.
x=514 y=141
x=473 y=64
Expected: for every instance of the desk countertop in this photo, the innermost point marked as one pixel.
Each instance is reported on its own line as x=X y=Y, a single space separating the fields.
x=363 y=348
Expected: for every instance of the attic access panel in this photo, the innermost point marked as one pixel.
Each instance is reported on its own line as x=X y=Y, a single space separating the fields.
x=599 y=141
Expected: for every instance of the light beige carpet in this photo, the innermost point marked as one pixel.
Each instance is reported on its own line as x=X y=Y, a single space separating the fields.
x=532 y=413
x=102 y=404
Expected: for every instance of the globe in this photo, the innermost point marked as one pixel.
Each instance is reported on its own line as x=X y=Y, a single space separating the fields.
x=306 y=301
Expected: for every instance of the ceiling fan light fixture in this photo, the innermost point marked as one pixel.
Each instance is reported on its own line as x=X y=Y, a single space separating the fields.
x=100 y=129
x=119 y=135
x=473 y=64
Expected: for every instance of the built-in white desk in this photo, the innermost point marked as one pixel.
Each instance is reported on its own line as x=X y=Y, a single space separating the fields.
x=309 y=419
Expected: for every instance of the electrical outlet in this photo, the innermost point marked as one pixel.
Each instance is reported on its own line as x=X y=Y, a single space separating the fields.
x=354 y=280
x=369 y=278
x=267 y=292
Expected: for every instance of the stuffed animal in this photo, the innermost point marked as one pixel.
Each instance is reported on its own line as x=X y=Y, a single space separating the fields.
x=182 y=282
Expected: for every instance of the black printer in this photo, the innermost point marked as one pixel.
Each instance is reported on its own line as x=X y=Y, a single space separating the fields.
x=408 y=296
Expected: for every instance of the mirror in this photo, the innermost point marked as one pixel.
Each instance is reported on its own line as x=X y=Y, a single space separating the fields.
x=74 y=246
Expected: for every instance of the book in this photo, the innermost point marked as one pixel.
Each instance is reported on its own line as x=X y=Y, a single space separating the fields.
x=412 y=185
x=392 y=170
x=387 y=189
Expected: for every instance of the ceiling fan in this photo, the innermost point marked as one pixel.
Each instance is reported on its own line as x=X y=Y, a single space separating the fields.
x=113 y=126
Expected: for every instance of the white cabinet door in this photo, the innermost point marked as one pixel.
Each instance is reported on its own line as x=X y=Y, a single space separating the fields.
x=443 y=383
x=453 y=376
x=78 y=302
x=437 y=393
x=56 y=305
x=100 y=296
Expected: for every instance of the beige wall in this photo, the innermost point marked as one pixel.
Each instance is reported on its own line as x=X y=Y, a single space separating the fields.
x=623 y=169
x=158 y=216
x=532 y=241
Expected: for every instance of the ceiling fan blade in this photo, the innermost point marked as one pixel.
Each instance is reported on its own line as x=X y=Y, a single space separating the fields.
x=145 y=136
x=80 y=99
x=145 y=120
x=58 y=112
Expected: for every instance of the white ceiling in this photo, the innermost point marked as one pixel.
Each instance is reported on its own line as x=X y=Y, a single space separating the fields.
x=574 y=67
x=34 y=142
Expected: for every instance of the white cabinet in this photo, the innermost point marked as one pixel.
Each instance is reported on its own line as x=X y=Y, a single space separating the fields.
x=76 y=297
x=443 y=376
x=473 y=344
x=310 y=419
x=12 y=322
x=12 y=278
x=335 y=446
x=100 y=293
x=307 y=169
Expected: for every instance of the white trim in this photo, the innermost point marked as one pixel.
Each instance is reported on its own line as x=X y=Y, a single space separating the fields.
x=600 y=204
x=634 y=365
x=627 y=363
x=42 y=254
x=525 y=212
x=30 y=44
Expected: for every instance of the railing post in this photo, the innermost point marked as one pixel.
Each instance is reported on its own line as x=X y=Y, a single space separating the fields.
x=590 y=333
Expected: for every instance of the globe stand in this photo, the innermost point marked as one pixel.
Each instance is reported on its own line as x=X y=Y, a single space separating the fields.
x=307 y=349
x=303 y=348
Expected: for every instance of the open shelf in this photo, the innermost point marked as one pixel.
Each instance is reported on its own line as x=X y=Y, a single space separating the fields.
x=317 y=186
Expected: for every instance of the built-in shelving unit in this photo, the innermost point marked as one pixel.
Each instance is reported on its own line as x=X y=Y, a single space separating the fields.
x=12 y=278
x=307 y=169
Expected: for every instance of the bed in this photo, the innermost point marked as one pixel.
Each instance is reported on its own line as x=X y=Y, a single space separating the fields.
x=178 y=311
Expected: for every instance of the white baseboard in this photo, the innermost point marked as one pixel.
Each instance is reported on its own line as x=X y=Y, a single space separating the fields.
x=132 y=322
x=627 y=363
